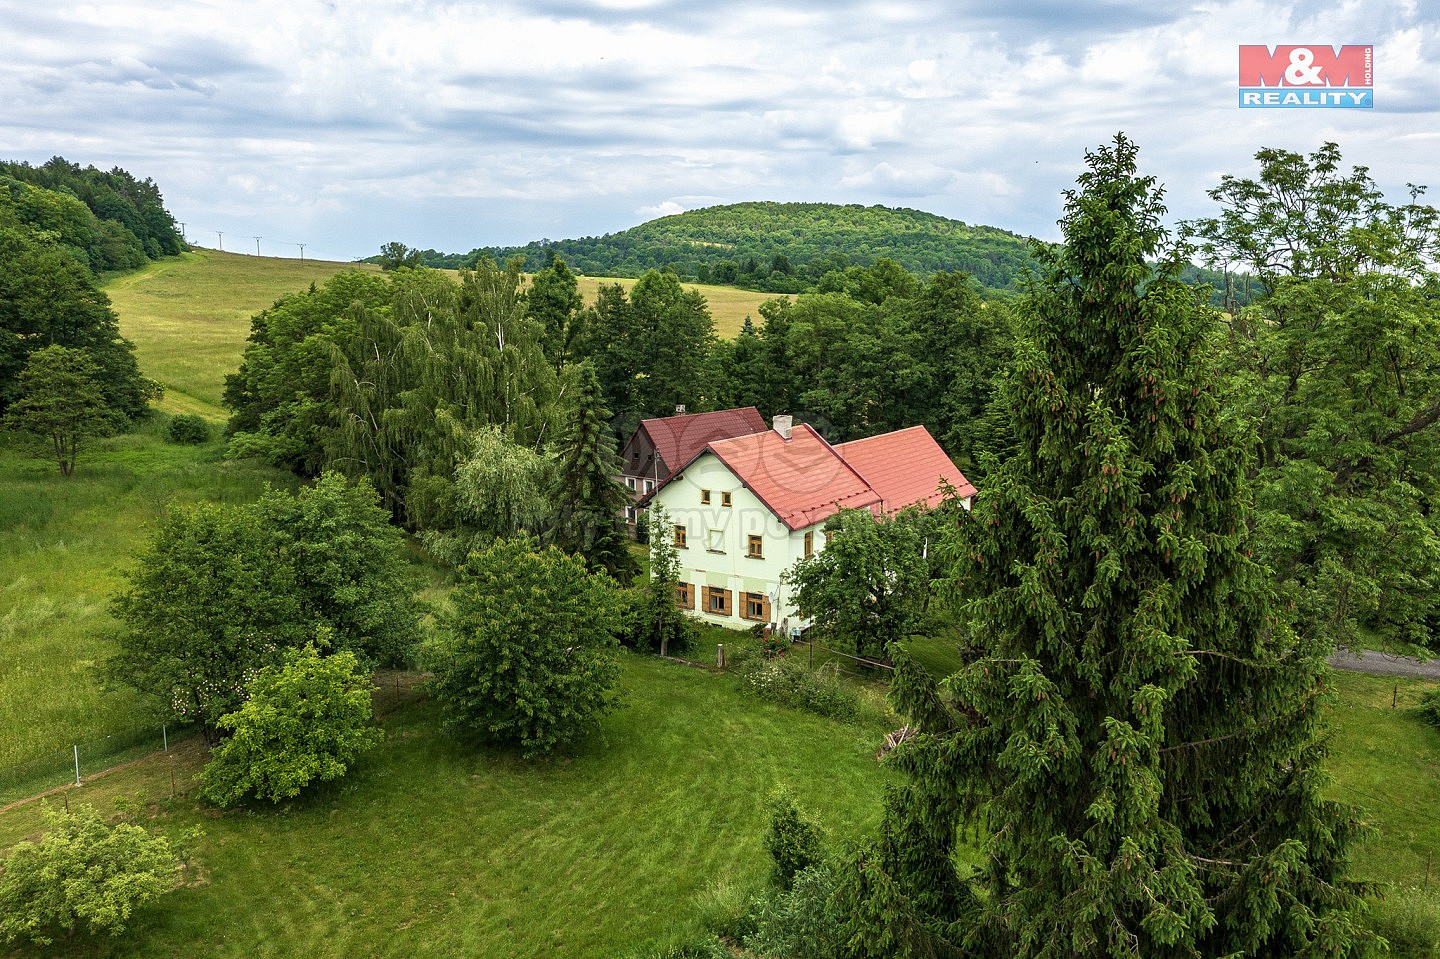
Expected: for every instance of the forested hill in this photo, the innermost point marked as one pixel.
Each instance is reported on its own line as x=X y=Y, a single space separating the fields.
x=107 y=220
x=785 y=247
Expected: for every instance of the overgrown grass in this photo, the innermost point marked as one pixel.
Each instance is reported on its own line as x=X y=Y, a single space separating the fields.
x=63 y=543
x=433 y=847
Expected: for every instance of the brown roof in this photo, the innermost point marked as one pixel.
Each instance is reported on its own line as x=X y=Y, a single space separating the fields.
x=679 y=439
x=802 y=479
x=905 y=467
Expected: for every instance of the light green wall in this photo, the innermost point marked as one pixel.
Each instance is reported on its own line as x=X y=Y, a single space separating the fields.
x=730 y=568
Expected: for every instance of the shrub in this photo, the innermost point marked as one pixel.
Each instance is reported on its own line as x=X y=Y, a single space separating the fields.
x=797 y=924
x=188 y=428
x=793 y=841
x=529 y=655
x=1430 y=707
x=83 y=874
x=788 y=682
x=307 y=720
x=1409 y=919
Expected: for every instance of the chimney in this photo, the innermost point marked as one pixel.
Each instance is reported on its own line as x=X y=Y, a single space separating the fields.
x=783 y=425
x=680 y=409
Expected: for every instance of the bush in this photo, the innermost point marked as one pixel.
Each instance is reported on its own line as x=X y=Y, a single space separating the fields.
x=307 y=720
x=528 y=656
x=798 y=924
x=1409 y=919
x=787 y=682
x=83 y=874
x=793 y=841
x=189 y=429
x=1430 y=707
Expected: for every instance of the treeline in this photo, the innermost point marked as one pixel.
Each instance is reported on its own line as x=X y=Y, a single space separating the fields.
x=61 y=225
x=109 y=220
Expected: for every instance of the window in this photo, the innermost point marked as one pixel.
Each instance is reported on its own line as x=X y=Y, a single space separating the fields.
x=717 y=600
x=754 y=547
x=629 y=514
x=704 y=497
x=649 y=485
x=630 y=481
x=715 y=543
x=809 y=543
x=757 y=607
x=724 y=499
x=684 y=596
x=680 y=532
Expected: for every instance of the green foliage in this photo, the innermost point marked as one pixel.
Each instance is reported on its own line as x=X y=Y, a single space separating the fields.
x=396 y=255
x=84 y=875
x=1408 y=918
x=655 y=622
x=280 y=397
x=553 y=301
x=1140 y=729
x=500 y=490
x=350 y=573
x=784 y=246
x=219 y=591
x=188 y=428
x=788 y=682
x=1430 y=707
x=798 y=924
x=527 y=657
x=867 y=587
x=108 y=220
x=59 y=399
x=793 y=841
x=1338 y=370
x=306 y=720
x=47 y=298
x=588 y=496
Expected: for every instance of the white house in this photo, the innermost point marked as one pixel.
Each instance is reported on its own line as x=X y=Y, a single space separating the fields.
x=745 y=509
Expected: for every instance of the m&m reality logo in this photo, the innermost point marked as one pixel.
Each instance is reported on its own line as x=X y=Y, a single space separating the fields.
x=1312 y=75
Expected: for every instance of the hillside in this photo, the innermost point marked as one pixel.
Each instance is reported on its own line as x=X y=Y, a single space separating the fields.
x=784 y=246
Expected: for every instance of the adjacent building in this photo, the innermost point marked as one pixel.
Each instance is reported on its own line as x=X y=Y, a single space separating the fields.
x=744 y=509
x=661 y=445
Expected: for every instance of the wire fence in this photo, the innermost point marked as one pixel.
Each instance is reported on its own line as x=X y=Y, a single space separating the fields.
x=73 y=763
x=815 y=655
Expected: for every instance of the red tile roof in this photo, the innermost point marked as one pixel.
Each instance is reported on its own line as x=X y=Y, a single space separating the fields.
x=802 y=479
x=679 y=439
x=905 y=467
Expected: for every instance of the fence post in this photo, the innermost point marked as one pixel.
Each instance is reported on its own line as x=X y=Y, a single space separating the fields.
x=165 y=738
x=77 y=763
x=720 y=655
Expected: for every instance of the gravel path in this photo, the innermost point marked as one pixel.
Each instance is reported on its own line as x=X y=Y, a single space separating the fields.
x=1385 y=664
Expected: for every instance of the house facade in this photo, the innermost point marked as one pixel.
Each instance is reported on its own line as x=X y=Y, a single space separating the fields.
x=661 y=444
x=743 y=510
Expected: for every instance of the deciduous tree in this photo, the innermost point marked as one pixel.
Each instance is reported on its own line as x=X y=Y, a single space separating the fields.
x=60 y=400
x=528 y=657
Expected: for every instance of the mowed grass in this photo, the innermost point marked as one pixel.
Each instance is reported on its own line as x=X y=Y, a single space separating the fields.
x=188 y=317
x=63 y=544
x=435 y=847
x=1387 y=761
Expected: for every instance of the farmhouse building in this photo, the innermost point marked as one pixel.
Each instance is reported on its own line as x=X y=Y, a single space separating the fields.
x=744 y=509
x=662 y=444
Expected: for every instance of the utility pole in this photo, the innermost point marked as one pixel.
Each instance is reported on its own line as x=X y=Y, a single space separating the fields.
x=257 y=245
x=182 y=233
x=222 y=240
x=302 y=251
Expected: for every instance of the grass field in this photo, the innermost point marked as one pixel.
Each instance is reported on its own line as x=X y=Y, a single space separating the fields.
x=437 y=848
x=62 y=545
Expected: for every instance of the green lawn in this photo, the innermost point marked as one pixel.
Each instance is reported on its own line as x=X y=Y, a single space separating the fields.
x=438 y=848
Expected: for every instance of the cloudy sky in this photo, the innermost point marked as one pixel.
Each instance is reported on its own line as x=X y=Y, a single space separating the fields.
x=454 y=125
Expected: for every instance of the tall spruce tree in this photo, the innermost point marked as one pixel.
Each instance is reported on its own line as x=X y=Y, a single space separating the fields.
x=589 y=500
x=1141 y=730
